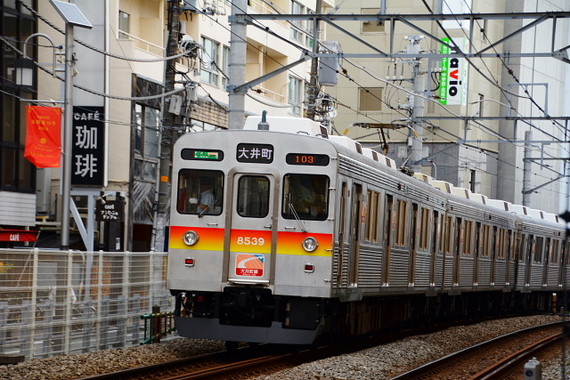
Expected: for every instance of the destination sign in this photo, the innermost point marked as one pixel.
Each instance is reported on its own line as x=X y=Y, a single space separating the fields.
x=199 y=154
x=307 y=159
x=255 y=153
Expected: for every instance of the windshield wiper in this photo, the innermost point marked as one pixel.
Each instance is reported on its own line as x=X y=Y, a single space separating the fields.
x=201 y=214
x=294 y=212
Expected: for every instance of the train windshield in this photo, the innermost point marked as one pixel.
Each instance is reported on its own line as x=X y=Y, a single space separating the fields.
x=305 y=196
x=200 y=192
x=253 y=196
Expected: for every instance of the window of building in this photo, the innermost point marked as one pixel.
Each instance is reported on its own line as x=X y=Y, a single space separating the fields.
x=124 y=25
x=147 y=140
x=370 y=99
x=372 y=26
x=225 y=65
x=16 y=173
x=298 y=26
x=209 y=71
x=295 y=94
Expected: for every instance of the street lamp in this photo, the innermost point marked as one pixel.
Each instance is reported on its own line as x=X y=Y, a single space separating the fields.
x=25 y=65
x=73 y=17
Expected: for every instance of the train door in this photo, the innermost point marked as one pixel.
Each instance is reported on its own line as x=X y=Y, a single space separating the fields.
x=414 y=237
x=252 y=229
x=477 y=253
x=510 y=257
x=354 y=242
x=546 y=261
x=530 y=242
x=342 y=245
x=387 y=238
x=457 y=250
x=435 y=273
x=494 y=254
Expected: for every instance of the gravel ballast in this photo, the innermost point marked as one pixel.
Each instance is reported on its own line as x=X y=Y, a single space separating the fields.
x=381 y=362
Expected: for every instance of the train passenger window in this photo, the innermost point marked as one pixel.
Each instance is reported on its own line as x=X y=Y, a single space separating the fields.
x=538 y=249
x=401 y=227
x=554 y=252
x=374 y=216
x=200 y=192
x=445 y=246
x=424 y=228
x=468 y=245
x=486 y=241
x=305 y=196
x=253 y=196
x=502 y=244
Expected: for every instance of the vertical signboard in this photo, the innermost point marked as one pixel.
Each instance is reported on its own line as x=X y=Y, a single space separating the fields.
x=453 y=83
x=43 y=136
x=88 y=150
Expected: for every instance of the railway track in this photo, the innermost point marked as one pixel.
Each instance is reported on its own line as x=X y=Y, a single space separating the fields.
x=499 y=358
x=479 y=361
x=224 y=364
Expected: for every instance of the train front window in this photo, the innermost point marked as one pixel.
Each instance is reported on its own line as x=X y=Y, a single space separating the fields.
x=305 y=196
x=253 y=196
x=200 y=192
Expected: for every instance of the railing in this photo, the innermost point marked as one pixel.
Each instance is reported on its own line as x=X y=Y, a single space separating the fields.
x=141 y=44
x=54 y=302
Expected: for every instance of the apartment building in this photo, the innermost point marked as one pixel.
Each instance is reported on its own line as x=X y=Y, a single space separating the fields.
x=119 y=70
x=486 y=153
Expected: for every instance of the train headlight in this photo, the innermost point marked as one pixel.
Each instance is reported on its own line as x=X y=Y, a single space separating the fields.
x=310 y=244
x=191 y=238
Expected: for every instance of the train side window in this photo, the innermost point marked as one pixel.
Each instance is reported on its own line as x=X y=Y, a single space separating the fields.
x=446 y=235
x=503 y=243
x=468 y=242
x=305 y=196
x=253 y=196
x=200 y=192
x=486 y=240
x=539 y=246
x=555 y=252
x=374 y=216
x=401 y=230
x=424 y=228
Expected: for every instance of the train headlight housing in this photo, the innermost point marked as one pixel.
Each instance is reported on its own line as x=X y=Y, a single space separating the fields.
x=310 y=244
x=191 y=238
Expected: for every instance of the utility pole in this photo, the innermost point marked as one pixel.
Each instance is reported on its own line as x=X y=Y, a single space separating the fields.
x=167 y=132
x=527 y=184
x=313 y=90
x=418 y=105
x=238 y=51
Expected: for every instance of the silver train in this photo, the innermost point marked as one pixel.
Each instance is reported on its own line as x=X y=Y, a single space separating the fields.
x=285 y=234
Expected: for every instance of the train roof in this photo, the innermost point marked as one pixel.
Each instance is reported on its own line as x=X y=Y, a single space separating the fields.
x=309 y=127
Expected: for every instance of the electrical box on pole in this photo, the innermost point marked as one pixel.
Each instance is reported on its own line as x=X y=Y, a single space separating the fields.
x=329 y=66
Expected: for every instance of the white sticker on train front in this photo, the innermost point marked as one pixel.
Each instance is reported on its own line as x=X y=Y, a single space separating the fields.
x=248 y=264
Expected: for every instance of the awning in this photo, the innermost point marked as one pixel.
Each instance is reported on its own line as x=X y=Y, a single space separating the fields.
x=19 y=235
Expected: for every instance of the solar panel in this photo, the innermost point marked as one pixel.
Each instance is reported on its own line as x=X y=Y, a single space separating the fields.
x=71 y=14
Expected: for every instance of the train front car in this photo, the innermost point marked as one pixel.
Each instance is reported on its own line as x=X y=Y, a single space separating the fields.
x=251 y=235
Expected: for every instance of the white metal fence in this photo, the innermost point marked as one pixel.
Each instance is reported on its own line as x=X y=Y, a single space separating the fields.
x=54 y=302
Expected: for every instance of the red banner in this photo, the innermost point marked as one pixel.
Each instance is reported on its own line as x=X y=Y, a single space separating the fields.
x=43 y=137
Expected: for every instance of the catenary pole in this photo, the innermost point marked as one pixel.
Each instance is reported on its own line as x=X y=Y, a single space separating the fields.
x=238 y=50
